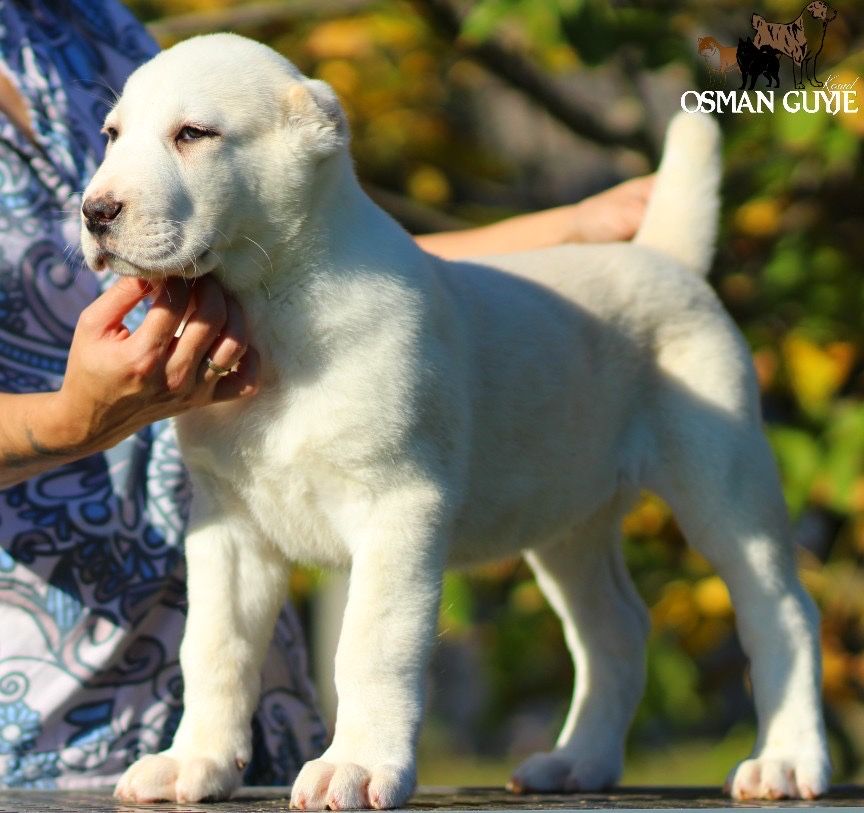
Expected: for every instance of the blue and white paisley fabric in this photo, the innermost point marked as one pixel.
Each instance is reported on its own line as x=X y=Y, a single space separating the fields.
x=91 y=568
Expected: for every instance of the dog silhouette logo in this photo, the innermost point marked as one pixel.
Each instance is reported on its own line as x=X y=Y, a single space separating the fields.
x=755 y=61
x=801 y=40
x=719 y=59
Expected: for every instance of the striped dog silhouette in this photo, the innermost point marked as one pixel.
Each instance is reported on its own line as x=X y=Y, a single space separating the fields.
x=801 y=40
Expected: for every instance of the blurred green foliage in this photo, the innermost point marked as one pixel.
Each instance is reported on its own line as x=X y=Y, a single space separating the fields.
x=790 y=268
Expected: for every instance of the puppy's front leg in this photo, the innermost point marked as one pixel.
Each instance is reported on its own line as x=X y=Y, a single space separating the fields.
x=236 y=585
x=389 y=624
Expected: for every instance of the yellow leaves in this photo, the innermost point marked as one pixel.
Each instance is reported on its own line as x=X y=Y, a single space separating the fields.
x=816 y=373
x=683 y=604
x=848 y=78
x=188 y=6
x=857 y=520
x=397 y=32
x=839 y=589
x=759 y=217
x=429 y=185
x=811 y=574
x=711 y=597
x=465 y=73
x=388 y=131
x=341 y=75
x=700 y=612
x=676 y=609
x=359 y=37
x=738 y=289
x=417 y=65
x=766 y=363
x=560 y=58
x=349 y=38
x=526 y=598
x=835 y=668
x=647 y=518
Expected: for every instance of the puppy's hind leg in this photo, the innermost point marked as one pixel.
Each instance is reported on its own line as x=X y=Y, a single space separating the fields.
x=718 y=475
x=606 y=627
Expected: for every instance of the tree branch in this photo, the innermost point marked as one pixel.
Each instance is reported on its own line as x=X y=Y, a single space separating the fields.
x=520 y=73
x=416 y=217
x=251 y=15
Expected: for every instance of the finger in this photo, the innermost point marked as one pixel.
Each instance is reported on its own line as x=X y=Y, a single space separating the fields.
x=106 y=313
x=206 y=321
x=242 y=383
x=640 y=187
x=164 y=317
x=229 y=347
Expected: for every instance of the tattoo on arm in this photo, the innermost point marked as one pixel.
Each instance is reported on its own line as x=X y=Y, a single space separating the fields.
x=38 y=449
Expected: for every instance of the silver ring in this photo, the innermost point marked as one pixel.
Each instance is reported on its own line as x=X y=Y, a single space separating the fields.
x=220 y=371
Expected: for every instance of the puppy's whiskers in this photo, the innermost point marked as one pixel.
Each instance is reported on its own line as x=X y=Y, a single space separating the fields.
x=115 y=96
x=261 y=248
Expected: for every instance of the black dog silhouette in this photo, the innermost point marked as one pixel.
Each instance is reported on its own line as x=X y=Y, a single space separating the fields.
x=754 y=62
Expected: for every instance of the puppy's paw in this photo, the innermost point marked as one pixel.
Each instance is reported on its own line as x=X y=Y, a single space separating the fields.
x=323 y=785
x=167 y=778
x=564 y=771
x=791 y=777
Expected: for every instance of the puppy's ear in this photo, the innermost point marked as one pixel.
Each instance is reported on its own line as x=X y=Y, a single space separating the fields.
x=313 y=105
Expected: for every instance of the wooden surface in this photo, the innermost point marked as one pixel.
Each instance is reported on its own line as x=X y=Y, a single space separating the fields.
x=267 y=800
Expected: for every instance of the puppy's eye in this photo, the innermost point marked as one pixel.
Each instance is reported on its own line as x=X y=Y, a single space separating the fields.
x=192 y=133
x=111 y=133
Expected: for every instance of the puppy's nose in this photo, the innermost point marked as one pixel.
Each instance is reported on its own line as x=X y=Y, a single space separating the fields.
x=99 y=213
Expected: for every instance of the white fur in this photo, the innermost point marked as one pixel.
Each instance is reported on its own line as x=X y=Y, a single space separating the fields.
x=416 y=412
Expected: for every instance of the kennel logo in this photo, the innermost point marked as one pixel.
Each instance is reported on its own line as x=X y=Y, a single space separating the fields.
x=761 y=54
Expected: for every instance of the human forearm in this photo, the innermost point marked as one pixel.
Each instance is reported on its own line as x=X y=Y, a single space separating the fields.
x=610 y=216
x=32 y=437
x=521 y=233
x=116 y=382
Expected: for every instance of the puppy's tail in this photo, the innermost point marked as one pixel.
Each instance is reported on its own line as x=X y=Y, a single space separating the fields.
x=681 y=217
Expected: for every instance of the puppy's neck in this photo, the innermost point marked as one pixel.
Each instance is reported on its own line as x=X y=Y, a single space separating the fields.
x=350 y=230
x=342 y=235
x=339 y=231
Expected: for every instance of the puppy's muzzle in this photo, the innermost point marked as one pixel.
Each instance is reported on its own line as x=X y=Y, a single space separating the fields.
x=100 y=213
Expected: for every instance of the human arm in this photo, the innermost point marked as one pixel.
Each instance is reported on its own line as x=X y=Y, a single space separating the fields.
x=118 y=381
x=610 y=216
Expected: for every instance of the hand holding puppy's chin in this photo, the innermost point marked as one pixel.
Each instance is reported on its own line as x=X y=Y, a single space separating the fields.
x=118 y=381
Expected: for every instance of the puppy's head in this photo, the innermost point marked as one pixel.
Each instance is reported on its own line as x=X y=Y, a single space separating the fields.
x=822 y=11
x=213 y=145
x=706 y=46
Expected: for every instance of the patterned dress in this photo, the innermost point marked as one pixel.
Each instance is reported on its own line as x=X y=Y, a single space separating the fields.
x=91 y=567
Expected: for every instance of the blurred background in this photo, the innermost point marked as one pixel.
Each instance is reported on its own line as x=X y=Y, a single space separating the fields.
x=466 y=112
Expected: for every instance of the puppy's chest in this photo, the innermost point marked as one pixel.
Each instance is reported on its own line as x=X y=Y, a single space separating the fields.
x=303 y=465
x=303 y=507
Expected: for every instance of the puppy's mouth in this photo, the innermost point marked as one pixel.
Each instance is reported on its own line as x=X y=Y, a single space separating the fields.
x=203 y=264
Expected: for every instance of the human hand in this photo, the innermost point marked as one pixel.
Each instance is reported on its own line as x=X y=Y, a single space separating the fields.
x=613 y=215
x=117 y=381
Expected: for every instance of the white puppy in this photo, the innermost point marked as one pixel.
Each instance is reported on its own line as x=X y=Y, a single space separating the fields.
x=416 y=413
